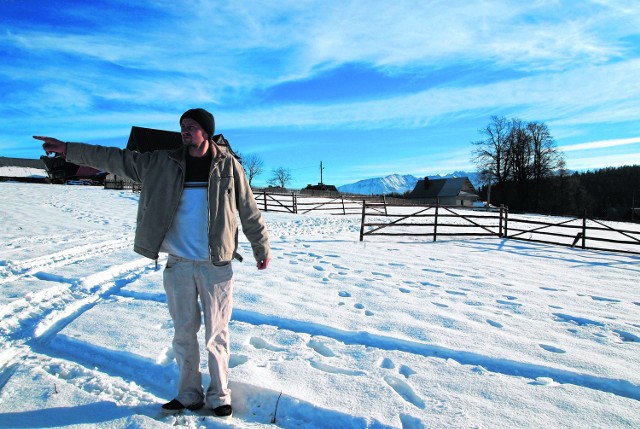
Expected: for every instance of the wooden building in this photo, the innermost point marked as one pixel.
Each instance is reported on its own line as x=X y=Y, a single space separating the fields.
x=22 y=170
x=449 y=192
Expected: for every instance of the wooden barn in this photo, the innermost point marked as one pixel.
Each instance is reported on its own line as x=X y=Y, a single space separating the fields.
x=449 y=192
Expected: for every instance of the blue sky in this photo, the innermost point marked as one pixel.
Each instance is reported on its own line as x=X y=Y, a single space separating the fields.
x=369 y=88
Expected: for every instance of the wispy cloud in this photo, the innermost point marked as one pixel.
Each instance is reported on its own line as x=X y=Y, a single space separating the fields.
x=600 y=144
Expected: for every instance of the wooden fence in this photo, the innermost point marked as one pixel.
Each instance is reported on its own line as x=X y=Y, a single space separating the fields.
x=440 y=221
x=302 y=204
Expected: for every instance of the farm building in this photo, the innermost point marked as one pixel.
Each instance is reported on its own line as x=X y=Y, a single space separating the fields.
x=22 y=170
x=450 y=192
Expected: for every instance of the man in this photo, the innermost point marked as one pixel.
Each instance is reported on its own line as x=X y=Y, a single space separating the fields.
x=187 y=209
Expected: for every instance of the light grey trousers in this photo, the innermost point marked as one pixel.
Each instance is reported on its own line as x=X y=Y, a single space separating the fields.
x=184 y=282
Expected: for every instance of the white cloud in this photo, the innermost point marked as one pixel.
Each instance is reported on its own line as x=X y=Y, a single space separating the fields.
x=600 y=144
x=603 y=161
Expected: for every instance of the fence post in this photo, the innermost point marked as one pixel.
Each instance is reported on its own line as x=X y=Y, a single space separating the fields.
x=584 y=229
x=501 y=215
x=264 y=195
x=295 y=203
x=435 y=225
x=506 y=222
x=364 y=202
x=384 y=201
x=344 y=212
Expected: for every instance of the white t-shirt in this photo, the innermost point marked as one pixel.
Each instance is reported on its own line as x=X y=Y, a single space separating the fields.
x=188 y=235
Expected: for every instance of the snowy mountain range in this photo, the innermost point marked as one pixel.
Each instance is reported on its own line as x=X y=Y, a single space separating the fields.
x=396 y=183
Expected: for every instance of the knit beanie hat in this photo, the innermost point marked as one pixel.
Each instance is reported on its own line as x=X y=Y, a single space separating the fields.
x=204 y=118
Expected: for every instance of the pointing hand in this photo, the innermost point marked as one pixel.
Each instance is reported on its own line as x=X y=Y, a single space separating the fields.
x=52 y=145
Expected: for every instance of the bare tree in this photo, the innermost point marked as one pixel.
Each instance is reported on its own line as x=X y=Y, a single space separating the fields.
x=281 y=176
x=492 y=155
x=253 y=166
x=546 y=157
x=518 y=155
x=520 y=150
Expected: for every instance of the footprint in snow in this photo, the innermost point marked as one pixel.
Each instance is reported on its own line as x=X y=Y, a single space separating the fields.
x=551 y=349
x=602 y=299
x=381 y=274
x=344 y=294
x=262 y=344
x=494 y=323
x=429 y=284
x=405 y=391
x=237 y=360
x=361 y=307
x=454 y=275
x=406 y=371
x=387 y=364
x=627 y=337
x=403 y=290
x=320 y=348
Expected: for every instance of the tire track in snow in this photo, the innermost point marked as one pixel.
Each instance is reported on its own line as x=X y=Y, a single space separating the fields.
x=503 y=366
x=11 y=272
x=41 y=315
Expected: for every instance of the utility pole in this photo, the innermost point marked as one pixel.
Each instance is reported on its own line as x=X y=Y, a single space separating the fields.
x=489 y=190
x=321 y=168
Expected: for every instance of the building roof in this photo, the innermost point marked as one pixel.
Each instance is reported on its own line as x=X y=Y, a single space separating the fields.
x=149 y=139
x=21 y=168
x=441 y=188
x=21 y=162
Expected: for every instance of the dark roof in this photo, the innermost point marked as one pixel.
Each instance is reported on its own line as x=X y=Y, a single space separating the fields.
x=440 y=188
x=321 y=187
x=21 y=162
x=149 y=139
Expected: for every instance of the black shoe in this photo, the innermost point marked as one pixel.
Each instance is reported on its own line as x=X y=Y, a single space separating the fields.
x=223 y=411
x=175 y=406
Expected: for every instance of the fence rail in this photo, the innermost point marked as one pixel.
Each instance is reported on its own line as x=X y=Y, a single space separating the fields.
x=379 y=217
x=448 y=221
x=302 y=204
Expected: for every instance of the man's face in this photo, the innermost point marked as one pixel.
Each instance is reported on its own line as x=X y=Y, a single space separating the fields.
x=192 y=133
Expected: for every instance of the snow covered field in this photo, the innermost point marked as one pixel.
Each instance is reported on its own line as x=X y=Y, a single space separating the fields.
x=389 y=332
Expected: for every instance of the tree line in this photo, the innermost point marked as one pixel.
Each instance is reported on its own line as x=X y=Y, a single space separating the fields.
x=527 y=172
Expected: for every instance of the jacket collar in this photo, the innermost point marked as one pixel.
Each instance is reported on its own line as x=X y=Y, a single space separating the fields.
x=181 y=153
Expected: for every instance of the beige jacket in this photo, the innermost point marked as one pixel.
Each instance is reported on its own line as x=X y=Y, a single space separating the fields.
x=162 y=176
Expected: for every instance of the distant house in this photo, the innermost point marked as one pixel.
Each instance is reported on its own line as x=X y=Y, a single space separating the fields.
x=320 y=189
x=59 y=170
x=22 y=170
x=450 y=192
